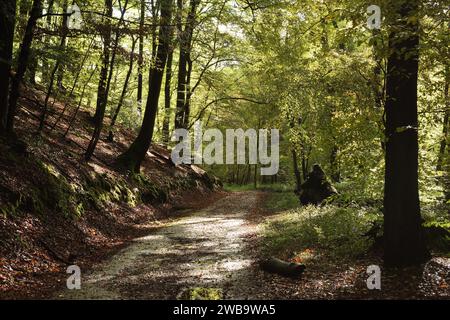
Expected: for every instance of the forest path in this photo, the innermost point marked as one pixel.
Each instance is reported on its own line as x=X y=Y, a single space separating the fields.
x=212 y=248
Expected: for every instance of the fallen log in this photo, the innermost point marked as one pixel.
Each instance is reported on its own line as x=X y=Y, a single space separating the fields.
x=286 y=269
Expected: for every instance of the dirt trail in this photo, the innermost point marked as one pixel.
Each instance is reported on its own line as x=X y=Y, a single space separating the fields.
x=211 y=248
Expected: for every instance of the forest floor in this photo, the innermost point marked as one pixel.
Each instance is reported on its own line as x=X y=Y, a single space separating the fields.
x=184 y=239
x=213 y=253
x=58 y=210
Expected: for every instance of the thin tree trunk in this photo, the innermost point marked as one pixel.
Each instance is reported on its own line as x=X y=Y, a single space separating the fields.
x=334 y=164
x=124 y=92
x=102 y=92
x=62 y=48
x=24 y=55
x=47 y=97
x=446 y=125
x=187 y=105
x=167 y=99
x=141 y=58
x=7 y=20
x=134 y=156
x=298 y=176
x=57 y=68
x=403 y=234
x=75 y=83
x=71 y=121
x=155 y=7
x=185 y=39
x=47 y=42
x=32 y=62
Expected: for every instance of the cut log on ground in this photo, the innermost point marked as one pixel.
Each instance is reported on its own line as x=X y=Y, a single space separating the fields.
x=286 y=269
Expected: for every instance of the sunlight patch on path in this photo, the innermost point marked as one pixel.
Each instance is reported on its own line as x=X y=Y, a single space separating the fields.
x=206 y=250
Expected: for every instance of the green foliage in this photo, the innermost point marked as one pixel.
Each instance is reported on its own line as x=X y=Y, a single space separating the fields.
x=55 y=193
x=103 y=189
x=202 y=294
x=337 y=232
x=280 y=201
x=149 y=191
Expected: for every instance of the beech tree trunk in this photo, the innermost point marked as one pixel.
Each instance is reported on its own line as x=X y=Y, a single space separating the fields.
x=403 y=234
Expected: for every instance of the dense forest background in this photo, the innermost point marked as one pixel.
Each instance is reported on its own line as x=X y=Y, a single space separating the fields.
x=370 y=106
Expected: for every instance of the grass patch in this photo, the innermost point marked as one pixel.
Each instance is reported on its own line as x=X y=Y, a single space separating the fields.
x=201 y=294
x=335 y=232
x=281 y=201
x=276 y=187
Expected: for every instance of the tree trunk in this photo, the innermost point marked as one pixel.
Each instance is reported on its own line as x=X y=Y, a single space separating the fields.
x=47 y=42
x=187 y=104
x=403 y=234
x=167 y=100
x=185 y=39
x=47 y=97
x=7 y=20
x=24 y=55
x=141 y=58
x=298 y=176
x=57 y=68
x=134 y=156
x=102 y=91
x=446 y=125
x=335 y=173
x=30 y=75
x=62 y=48
x=124 y=91
x=155 y=7
x=72 y=119
x=74 y=84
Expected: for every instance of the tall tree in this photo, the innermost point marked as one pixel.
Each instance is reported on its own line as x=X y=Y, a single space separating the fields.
x=102 y=91
x=184 y=63
x=22 y=64
x=124 y=92
x=7 y=20
x=134 y=156
x=403 y=235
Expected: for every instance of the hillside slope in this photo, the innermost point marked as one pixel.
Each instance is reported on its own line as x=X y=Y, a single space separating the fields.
x=56 y=209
